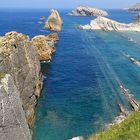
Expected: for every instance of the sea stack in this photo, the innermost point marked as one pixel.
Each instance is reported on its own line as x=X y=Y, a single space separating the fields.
x=88 y=11
x=106 y=24
x=54 y=21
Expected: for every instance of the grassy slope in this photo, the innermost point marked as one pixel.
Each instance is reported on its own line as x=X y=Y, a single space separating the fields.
x=127 y=130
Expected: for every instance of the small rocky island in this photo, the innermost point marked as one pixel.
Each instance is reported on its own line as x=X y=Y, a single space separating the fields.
x=88 y=11
x=135 y=8
x=54 y=21
x=106 y=24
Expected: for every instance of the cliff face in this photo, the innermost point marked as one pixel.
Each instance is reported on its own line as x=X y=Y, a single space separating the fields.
x=88 y=11
x=13 y=125
x=54 y=21
x=102 y=23
x=45 y=46
x=19 y=59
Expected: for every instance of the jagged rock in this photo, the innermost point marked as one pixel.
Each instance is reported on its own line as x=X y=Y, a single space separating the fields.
x=102 y=23
x=13 y=124
x=45 y=46
x=20 y=59
x=54 y=21
x=88 y=11
x=135 y=7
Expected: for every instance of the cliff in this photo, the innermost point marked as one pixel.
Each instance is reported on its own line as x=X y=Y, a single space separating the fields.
x=18 y=58
x=54 y=21
x=13 y=125
x=102 y=23
x=88 y=11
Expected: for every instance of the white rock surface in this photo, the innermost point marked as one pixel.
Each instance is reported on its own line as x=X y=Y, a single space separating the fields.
x=78 y=138
x=102 y=23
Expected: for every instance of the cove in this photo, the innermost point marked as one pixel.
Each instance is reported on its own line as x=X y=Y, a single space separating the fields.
x=81 y=89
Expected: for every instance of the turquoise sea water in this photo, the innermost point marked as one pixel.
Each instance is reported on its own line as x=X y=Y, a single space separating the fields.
x=81 y=91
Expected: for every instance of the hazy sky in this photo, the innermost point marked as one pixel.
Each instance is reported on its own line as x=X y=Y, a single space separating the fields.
x=66 y=3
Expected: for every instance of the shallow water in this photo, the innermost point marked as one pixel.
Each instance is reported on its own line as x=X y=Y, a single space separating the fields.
x=81 y=89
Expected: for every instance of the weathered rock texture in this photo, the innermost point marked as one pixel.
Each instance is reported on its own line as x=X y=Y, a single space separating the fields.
x=54 y=21
x=18 y=58
x=88 y=11
x=13 y=125
x=135 y=7
x=102 y=23
x=45 y=46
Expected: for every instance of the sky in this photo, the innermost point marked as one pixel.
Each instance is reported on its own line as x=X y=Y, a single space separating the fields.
x=66 y=3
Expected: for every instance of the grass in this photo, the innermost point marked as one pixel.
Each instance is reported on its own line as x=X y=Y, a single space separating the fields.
x=2 y=74
x=129 y=129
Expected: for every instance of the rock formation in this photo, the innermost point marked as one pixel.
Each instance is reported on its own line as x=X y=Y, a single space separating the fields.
x=13 y=125
x=78 y=138
x=135 y=8
x=102 y=23
x=54 y=21
x=88 y=11
x=19 y=58
x=45 y=46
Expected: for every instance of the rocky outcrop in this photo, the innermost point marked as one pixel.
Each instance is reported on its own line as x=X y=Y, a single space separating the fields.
x=13 y=125
x=45 y=46
x=54 y=21
x=19 y=58
x=102 y=23
x=88 y=11
x=135 y=8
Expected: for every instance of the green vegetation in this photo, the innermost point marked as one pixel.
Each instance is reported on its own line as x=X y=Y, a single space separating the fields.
x=2 y=74
x=127 y=130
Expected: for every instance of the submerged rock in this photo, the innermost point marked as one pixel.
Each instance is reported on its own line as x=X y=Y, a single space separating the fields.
x=20 y=59
x=45 y=46
x=43 y=18
x=54 y=21
x=88 y=11
x=102 y=23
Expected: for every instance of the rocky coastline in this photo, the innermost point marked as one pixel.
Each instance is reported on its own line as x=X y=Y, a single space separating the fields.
x=88 y=11
x=21 y=81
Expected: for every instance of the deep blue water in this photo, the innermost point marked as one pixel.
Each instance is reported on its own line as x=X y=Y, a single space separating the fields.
x=81 y=91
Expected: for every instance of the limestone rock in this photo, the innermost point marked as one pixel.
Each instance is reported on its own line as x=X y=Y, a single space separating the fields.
x=45 y=46
x=19 y=58
x=13 y=124
x=54 y=21
x=88 y=11
x=102 y=23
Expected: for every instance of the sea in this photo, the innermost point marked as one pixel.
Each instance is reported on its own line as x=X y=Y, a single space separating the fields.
x=81 y=88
